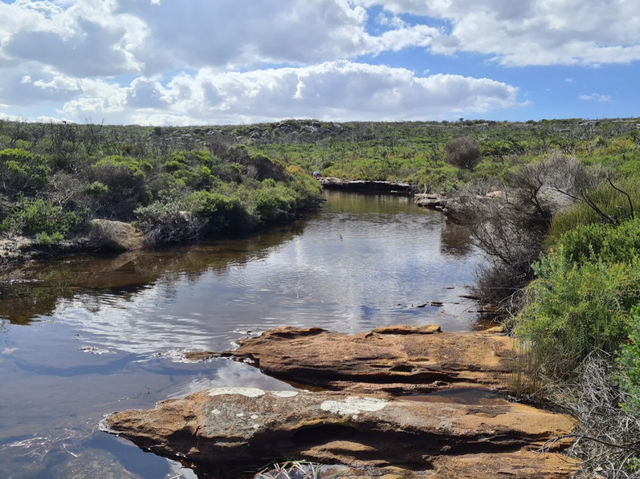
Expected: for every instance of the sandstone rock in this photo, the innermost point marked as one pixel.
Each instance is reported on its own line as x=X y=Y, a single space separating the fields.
x=394 y=358
x=430 y=200
x=523 y=464
x=115 y=235
x=227 y=426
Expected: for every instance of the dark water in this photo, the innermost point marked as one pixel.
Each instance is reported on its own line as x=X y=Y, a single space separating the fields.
x=86 y=336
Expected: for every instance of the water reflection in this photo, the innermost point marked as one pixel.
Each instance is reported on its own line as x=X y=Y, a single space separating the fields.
x=85 y=336
x=456 y=240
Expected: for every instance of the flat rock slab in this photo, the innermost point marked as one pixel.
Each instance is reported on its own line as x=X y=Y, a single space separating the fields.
x=227 y=426
x=395 y=359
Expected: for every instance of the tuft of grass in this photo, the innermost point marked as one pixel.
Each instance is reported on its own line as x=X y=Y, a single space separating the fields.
x=296 y=470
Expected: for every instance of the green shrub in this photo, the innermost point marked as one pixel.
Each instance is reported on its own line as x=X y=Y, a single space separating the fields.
x=608 y=243
x=610 y=201
x=34 y=216
x=219 y=211
x=96 y=189
x=21 y=172
x=45 y=239
x=125 y=179
x=629 y=363
x=573 y=309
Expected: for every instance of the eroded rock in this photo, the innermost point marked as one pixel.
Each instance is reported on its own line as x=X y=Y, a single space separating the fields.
x=244 y=425
x=398 y=359
x=115 y=235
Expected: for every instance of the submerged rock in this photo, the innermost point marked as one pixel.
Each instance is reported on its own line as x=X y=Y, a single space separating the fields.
x=397 y=359
x=228 y=426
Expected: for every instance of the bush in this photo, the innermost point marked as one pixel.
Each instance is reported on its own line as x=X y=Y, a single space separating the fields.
x=610 y=201
x=45 y=239
x=21 y=172
x=168 y=221
x=36 y=216
x=604 y=242
x=220 y=212
x=463 y=152
x=574 y=309
x=629 y=363
x=125 y=179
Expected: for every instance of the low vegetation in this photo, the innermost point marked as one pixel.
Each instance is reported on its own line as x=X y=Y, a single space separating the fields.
x=562 y=233
x=55 y=178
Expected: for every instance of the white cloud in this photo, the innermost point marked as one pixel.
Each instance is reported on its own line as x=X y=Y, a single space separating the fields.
x=331 y=90
x=110 y=37
x=532 y=32
x=599 y=97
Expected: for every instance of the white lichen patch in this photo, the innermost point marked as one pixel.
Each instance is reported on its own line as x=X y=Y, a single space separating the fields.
x=353 y=405
x=285 y=394
x=248 y=392
x=254 y=416
x=240 y=414
x=216 y=412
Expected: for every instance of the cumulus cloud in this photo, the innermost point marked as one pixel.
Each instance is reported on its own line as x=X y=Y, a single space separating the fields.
x=107 y=38
x=532 y=32
x=331 y=90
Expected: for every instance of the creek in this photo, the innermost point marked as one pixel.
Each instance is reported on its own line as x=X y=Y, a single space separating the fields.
x=83 y=336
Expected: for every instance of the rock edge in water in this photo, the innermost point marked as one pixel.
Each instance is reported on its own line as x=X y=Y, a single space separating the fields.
x=395 y=359
x=417 y=436
x=239 y=426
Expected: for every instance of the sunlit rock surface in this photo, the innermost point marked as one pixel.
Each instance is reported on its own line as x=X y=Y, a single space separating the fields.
x=115 y=235
x=377 y=416
x=396 y=359
x=237 y=425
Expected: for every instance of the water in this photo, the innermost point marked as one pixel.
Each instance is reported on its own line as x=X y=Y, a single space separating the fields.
x=85 y=336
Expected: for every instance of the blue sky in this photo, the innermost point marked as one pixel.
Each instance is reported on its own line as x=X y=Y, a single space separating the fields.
x=186 y=62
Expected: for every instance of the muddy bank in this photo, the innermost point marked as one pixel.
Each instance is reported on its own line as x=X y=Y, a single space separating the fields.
x=370 y=409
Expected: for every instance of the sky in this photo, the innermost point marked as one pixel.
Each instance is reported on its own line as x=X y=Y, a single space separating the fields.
x=197 y=62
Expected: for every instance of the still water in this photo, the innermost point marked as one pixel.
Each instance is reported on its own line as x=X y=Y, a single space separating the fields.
x=85 y=336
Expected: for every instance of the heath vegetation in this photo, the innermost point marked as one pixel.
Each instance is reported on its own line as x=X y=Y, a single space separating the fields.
x=560 y=227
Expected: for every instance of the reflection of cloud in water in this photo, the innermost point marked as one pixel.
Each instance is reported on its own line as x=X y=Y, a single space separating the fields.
x=232 y=373
x=347 y=276
x=136 y=326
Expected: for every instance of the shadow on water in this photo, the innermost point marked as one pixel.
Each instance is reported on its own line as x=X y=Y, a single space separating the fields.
x=33 y=291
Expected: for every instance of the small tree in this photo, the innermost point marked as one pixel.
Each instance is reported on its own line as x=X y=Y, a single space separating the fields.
x=463 y=152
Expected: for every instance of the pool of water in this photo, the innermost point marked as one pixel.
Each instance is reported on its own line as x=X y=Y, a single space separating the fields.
x=83 y=336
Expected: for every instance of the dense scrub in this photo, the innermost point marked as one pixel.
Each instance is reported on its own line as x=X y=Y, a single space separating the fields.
x=55 y=178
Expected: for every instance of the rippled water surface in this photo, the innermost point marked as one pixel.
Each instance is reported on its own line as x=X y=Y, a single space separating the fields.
x=85 y=336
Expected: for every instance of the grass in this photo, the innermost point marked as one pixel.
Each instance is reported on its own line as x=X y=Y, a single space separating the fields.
x=296 y=470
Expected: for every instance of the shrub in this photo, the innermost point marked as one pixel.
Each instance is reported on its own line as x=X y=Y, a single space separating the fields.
x=219 y=211
x=610 y=201
x=168 y=221
x=463 y=152
x=629 y=363
x=573 y=309
x=605 y=242
x=45 y=239
x=21 y=172
x=125 y=179
x=36 y=216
